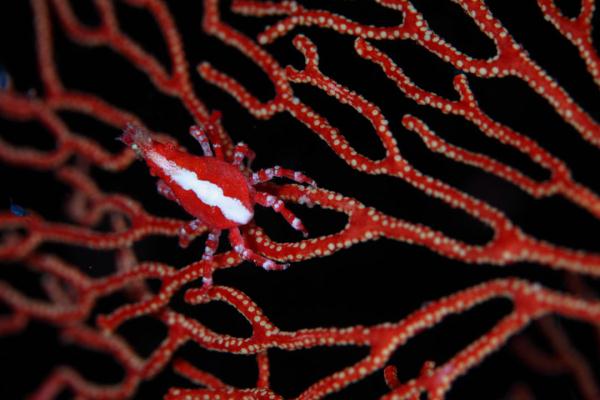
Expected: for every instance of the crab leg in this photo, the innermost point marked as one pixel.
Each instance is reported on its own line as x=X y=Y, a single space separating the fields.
x=212 y=243
x=187 y=232
x=165 y=190
x=267 y=174
x=267 y=200
x=240 y=152
x=200 y=135
x=239 y=245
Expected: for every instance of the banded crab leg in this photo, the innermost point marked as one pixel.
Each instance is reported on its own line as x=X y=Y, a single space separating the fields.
x=267 y=174
x=239 y=245
x=199 y=133
x=212 y=244
x=268 y=200
x=164 y=190
x=188 y=231
x=240 y=152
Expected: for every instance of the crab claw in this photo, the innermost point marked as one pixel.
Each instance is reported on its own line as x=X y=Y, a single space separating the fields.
x=135 y=137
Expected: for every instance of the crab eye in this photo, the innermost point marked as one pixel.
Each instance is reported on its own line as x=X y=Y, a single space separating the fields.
x=137 y=150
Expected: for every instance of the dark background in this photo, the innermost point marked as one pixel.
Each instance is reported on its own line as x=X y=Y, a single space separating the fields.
x=366 y=284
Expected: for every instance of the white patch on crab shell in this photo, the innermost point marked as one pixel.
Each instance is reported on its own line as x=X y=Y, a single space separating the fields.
x=207 y=192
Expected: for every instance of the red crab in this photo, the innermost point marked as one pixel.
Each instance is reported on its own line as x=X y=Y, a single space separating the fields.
x=219 y=194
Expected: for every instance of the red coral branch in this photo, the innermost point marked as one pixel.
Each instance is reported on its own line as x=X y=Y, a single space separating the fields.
x=530 y=302
x=510 y=59
x=566 y=358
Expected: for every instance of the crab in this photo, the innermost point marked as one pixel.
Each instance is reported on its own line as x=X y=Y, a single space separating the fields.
x=219 y=194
